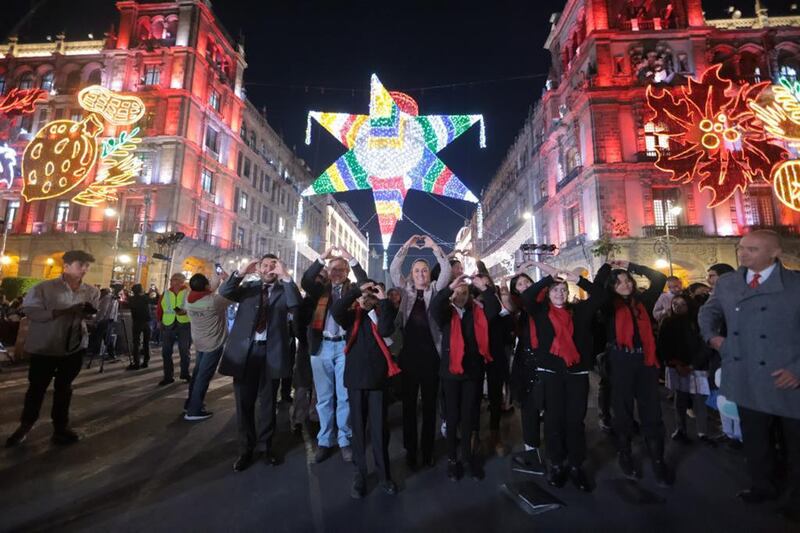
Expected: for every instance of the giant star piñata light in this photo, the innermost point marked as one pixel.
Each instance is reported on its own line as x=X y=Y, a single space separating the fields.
x=391 y=151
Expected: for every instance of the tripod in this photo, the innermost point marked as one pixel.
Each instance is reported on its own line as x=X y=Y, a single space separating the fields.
x=111 y=336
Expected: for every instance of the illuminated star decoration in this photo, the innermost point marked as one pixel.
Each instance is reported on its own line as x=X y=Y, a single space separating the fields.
x=391 y=151
x=716 y=137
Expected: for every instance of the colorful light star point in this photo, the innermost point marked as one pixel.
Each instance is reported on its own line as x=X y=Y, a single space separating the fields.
x=391 y=151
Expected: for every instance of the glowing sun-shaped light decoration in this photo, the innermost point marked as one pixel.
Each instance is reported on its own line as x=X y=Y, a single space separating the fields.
x=391 y=151
x=714 y=134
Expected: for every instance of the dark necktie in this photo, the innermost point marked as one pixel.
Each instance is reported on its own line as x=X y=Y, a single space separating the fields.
x=261 y=325
x=754 y=283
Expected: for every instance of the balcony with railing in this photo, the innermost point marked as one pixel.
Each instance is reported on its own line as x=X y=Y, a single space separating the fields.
x=785 y=231
x=680 y=231
x=574 y=173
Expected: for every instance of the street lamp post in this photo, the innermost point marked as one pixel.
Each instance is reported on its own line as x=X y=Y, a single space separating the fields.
x=142 y=237
x=673 y=211
x=527 y=215
x=299 y=238
x=111 y=212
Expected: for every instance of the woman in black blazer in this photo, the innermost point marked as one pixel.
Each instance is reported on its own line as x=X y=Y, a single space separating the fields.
x=465 y=350
x=369 y=318
x=564 y=357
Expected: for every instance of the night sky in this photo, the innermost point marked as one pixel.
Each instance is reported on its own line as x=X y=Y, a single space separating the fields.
x=489 y=56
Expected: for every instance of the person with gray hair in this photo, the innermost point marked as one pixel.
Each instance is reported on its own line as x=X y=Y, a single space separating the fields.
x=422 y=344
x=752 y=319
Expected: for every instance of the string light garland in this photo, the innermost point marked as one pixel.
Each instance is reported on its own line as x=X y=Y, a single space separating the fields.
x=786 y=184
x=780 y=110
x=22 y=101
x=391 y=151
x=716 y=136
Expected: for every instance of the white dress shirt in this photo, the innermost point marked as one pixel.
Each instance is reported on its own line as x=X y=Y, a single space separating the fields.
x=764 y=274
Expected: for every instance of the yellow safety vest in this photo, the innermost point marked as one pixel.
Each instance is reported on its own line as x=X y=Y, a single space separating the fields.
x=168 y=305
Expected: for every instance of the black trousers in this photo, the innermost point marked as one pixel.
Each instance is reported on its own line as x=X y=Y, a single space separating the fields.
x=461 y=399
x=256 y=385
x=411 y=389
x=369 y=406
x=141 y=337
x=530 y=414
x=495 y=379
x=565 y=396
x=603 y=389
x=759 y=448
x=632 y=381
x=44 y=368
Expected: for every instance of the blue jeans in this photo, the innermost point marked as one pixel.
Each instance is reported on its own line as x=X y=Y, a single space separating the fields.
x=204 y=368
x=328 y=369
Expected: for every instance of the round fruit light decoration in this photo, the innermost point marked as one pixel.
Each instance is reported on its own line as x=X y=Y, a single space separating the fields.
x=715 y=135
x=63 y=152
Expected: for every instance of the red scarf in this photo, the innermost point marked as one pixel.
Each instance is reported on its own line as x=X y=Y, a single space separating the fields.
x=623 y=322
x=563 y=344
x=393 y=369
x=481 y=326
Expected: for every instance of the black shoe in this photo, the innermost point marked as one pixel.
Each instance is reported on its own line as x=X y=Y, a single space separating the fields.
x=708 y=441
x=755 y=496
x=323 y=452
x=359 y=489
x=605 y=425
x=166 y=381
x=411 y=461
x=556 y=476
x=65 y=436
x=627 y=465
x=734 y=445
x=243 y=462
x=428 y=462
x=270 y=459
x=680 y=436
x=144 y=365
x=475 y=470
x=389 y=487
x=202 y=415
x=347 y=454
x=18 y=437
x=579 y=479
x=187 y=379
x=454 y=470
x=663 y=473
x=132 y=366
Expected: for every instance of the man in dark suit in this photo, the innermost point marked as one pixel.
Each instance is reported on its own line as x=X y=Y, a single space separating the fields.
x=759 y=308
x=327 y=340
x=257 y=351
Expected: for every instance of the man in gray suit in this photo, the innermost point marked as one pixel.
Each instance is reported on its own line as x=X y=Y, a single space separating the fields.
x=759 y=307
x=257 y=352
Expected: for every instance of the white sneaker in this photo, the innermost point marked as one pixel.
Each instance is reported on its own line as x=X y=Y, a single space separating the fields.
x=203 y=415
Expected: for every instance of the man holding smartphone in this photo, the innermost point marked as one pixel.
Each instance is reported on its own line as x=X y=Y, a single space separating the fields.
x=57 y=339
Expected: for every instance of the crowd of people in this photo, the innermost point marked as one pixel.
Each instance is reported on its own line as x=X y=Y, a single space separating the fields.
x=441 y=337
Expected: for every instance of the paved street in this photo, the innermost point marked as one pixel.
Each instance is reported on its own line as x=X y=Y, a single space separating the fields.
x=140 y=467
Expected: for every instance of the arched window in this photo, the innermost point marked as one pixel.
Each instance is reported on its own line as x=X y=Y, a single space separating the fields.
x=95 y=77
x=2 y=84
x=788 y=71
x=72 y=82
x=47 y=80
x=26 y=81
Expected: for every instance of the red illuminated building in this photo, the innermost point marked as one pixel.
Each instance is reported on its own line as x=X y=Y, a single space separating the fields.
x=583 y=164
x=212 y=169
